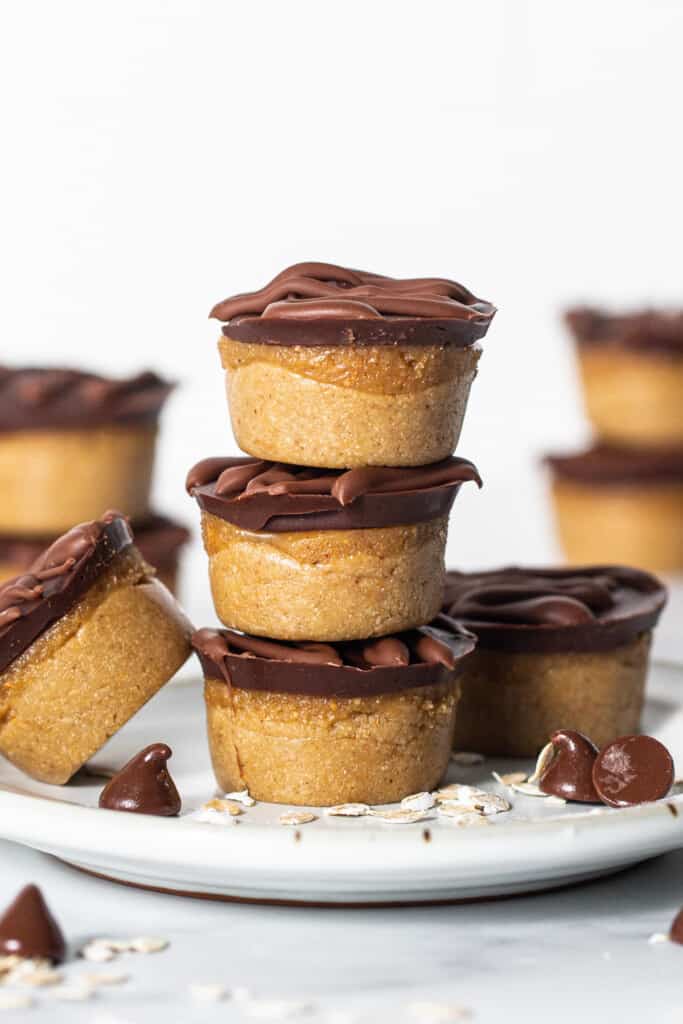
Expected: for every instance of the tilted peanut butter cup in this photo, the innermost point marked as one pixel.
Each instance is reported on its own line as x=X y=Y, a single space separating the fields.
x=619 y=504
x=332 y=367
x=305 y=554
x=87 y=636
x=631 y=368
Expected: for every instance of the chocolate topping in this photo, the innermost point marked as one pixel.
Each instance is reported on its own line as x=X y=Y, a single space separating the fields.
x=592 y=608
x=420 y=657
x=570 y=772
x=144 y=785
x=56 y=581
x=257 y=495
x=324 y=304
x=35 y=398
x=28 y=929
x=608 y=465
x=649 y=329
x=633 y=770
x=676 y=930
x=158 y=539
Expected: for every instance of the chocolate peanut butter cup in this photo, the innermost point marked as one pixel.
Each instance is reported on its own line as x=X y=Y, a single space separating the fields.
x=620 y=504
x=306 y=554
x=323 y=724
x=87 y=636
x=332 y=367
x=79 y=441
x=556 y=649
x=158 y=539
x=632 y=372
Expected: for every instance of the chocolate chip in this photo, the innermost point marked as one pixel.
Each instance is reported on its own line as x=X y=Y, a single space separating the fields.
x=676 y=930
x=633 y=770
x=28 y=929
x=144 y=785
x=569 y=774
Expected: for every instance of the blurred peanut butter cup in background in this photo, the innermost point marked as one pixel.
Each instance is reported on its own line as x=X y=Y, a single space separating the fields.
x=622 y=505
x=556 y=648
x=631 y=367
x=73 y=443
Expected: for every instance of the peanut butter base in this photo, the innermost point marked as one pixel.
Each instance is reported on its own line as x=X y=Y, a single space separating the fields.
x=640 y=525
x=346 y=407
x=633 y=398
x=319 y=751
x=51 y=479
x=511 y=703
x=326 y=584
x=79 y=682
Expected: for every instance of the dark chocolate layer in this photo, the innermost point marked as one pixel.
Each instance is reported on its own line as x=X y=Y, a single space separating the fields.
x=647 y=330
x=40 y=398
x=327 y=305
x=596 y=608
x=421 y=657
x=257 y=495
x=58 y=579
x=609 y=465
x=159 y=540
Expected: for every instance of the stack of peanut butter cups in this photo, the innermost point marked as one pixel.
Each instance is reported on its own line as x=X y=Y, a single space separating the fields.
x=621 y=500
x=335 y=677
x=73 y=444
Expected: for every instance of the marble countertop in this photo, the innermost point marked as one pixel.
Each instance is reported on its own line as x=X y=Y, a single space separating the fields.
x=579 y=953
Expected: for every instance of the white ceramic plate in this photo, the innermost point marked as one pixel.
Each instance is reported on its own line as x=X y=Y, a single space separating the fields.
x=539 y=844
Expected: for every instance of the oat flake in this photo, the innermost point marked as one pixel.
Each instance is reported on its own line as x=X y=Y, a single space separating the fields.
x=241 y=797
x=402 y=816
x=347 y=810
x=297 y=818
x=510 y=778
x=418 y=802
x=463 y=816
x=542 y=761
x=459 y=793
x=529 y=789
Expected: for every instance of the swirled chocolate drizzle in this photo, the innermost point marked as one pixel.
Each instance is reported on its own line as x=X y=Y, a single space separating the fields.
x=609 y=465
x=646 y=330
x=39 y=398
x=594 y=608
x=325 y=304
x=258 y=495
x=420 y=657
x=56 y=581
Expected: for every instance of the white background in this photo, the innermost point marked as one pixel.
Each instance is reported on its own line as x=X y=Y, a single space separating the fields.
x=157 y=156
